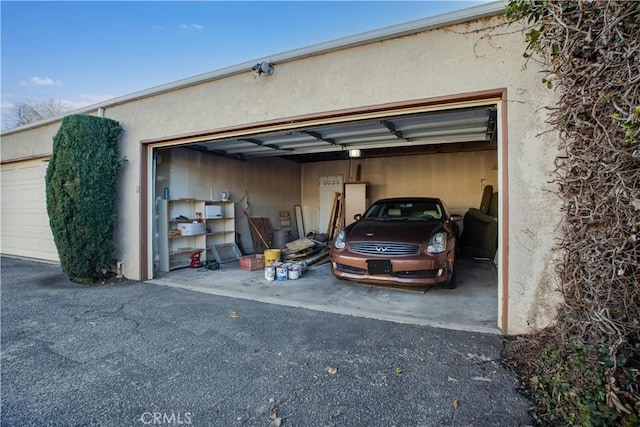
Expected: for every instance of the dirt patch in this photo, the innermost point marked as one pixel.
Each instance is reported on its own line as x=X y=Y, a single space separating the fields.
x=522 y=355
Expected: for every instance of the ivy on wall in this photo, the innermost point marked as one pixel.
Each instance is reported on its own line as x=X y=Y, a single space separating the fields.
x=82 y=189
x=587 y=372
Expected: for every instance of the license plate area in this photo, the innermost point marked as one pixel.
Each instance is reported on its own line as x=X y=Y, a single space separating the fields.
x=379 y=266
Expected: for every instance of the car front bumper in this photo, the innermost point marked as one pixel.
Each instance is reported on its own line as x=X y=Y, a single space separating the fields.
x=418 y=270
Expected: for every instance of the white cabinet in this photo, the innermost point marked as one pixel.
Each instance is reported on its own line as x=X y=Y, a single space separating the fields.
x=356 y=200
x=183 y=229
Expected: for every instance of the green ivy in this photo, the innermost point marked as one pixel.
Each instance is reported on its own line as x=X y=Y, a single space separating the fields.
x=82 y=188
x=532 y=11
x=576 y=384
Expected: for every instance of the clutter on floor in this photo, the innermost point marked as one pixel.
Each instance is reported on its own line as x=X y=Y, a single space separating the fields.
x=288 y=260
x=313 y=250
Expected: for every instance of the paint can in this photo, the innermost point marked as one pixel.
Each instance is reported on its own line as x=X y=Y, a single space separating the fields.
x=270 y=273
x=294 y=271
x=281 y=272
x=271 y=256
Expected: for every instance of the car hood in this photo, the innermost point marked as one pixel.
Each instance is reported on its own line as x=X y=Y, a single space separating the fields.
x=413 y=231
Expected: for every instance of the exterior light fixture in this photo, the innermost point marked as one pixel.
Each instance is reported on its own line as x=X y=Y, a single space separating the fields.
x=354 y=153
x=263 y=68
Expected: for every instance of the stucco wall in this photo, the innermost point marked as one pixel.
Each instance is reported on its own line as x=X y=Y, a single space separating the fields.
x=482 y=55
x=28 y=144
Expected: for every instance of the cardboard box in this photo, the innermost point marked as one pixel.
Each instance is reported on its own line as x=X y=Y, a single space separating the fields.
x=213 y=211
x=252 y=262
x=191 y=228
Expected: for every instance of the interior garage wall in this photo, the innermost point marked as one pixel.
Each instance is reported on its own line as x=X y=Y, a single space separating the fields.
x=456 y=178
x=261 y=187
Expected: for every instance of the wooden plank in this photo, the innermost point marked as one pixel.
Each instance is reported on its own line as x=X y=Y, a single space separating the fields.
x=320 y=257
x=300 y=244
x=332 y=214
x=255 y=231
x=299 y=255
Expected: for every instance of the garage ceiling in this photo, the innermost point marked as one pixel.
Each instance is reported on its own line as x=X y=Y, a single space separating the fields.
x=462 y=129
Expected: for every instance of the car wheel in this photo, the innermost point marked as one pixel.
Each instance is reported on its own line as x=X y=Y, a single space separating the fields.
x=451 y=282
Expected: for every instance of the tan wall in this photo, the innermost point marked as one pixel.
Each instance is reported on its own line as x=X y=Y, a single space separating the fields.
x=35 y=143
x=453 y=177
x=261 y=187
x=459 y=59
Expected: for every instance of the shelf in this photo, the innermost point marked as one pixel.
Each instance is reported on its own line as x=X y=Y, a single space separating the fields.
x=185 y=251
x=182 y=236
x=174 y=251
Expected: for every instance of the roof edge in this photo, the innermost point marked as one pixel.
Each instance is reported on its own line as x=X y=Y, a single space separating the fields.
x=386 y=33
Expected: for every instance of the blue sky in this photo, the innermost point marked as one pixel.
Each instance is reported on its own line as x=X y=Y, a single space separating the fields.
x=81 y=53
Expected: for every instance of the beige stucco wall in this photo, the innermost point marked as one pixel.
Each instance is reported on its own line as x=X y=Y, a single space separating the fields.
x=28 y=144
x=459 y=59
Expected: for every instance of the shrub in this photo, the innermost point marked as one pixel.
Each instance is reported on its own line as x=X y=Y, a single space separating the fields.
x=81 y=185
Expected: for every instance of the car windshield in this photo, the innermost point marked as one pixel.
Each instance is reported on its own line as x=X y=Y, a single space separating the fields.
x=405 y=209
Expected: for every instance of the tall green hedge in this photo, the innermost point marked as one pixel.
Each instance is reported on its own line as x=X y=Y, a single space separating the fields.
x=82 y=188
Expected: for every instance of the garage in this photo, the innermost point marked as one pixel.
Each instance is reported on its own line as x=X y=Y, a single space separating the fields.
x=440 y=106
x=447 y=150
x=25 y=223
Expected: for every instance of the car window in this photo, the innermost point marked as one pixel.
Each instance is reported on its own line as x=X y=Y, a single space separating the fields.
x=406 y=209
x=374 y=211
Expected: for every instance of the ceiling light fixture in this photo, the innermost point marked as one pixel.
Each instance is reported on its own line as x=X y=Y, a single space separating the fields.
x=263 y=68
x=354 y=153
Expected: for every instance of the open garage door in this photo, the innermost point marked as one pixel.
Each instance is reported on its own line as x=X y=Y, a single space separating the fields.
x=469 y=128
x=465 y=127
x=462 y=135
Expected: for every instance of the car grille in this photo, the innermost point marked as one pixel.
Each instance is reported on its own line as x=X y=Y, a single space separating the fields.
x=384 y=248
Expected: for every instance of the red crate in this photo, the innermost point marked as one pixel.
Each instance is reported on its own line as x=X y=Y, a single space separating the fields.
x=252 y=262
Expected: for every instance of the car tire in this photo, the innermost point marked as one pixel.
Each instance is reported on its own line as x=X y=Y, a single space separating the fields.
x=451 y=283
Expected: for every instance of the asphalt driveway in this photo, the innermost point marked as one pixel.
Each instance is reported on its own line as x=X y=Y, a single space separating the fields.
x=140 y=354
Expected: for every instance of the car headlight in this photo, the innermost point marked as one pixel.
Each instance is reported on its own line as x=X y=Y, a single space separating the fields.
x=340 y=241
x=438 y=243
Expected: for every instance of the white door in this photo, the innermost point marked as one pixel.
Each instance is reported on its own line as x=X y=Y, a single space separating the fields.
x=23 y=211
x=329 y=186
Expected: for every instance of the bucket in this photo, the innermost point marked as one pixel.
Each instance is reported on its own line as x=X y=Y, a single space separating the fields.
x=294 y=271
x=271 y=256
x=281 y=272
x=270 y=273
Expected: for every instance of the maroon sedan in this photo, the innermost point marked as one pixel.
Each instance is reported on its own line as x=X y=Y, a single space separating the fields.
x=399 y=241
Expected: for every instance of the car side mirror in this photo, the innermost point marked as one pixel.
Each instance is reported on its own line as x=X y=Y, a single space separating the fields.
x=357 y=217
x=456 y=217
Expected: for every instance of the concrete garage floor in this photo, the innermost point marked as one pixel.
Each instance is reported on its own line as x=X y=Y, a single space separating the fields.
x=472 y=306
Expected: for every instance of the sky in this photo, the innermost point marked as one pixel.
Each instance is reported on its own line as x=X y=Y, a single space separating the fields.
x=81 y=53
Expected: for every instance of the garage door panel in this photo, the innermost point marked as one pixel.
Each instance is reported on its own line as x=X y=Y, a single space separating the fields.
x=23 y=209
